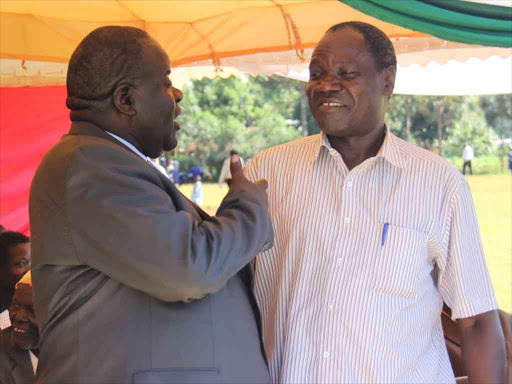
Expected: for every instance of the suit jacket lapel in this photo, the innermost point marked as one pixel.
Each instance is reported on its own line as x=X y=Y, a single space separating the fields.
x=22 y=370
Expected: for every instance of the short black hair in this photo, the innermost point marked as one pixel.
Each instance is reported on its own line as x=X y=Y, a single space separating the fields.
x=233 y=152
x=106 y=57
x=377 y=42
x=9 y=239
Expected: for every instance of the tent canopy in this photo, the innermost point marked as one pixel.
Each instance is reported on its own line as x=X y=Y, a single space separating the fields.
x=466 y=22
x=214 y=37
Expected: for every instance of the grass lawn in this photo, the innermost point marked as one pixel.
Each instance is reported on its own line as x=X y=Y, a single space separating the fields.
x=492 y=195
x=493 y=200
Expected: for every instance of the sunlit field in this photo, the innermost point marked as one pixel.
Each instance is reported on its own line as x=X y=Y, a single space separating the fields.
x=492 y=195
x=493 y=200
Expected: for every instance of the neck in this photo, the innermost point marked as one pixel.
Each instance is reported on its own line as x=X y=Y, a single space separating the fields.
x=99 y=114
x=91 y=111
x=355 y=150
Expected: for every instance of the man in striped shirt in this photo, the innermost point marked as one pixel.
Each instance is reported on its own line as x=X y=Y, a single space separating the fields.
x=372 y=235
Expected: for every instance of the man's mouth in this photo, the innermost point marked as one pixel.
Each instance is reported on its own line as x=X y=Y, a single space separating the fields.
x=332 y=104
x=20 y=330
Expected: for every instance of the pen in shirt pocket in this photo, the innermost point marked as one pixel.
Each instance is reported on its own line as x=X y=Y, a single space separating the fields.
x=384 y=233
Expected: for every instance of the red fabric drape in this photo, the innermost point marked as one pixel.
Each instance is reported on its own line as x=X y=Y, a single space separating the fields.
x=32 y=120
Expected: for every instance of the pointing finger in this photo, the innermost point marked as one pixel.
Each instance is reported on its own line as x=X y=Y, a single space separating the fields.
x=236 y=166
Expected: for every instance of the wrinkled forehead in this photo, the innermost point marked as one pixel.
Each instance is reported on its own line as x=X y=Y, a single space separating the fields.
x=23 y=295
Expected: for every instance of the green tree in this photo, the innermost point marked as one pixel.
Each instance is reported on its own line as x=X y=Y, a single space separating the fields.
x=246 y=114
x=470 y=127
x=498 y=113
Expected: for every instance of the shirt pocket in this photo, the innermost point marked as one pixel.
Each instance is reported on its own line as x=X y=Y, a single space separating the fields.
x=396 y=268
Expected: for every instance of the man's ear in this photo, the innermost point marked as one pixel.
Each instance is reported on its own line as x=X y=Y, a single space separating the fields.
x=124 y=99
x=389 y=76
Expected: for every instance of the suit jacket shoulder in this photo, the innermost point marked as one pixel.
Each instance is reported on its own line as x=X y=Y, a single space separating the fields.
x=15 y=364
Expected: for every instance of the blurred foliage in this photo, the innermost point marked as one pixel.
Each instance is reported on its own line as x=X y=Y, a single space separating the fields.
x=250 y=114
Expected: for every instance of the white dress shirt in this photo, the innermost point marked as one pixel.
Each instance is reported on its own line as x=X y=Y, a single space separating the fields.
x=5 y=321
x=33 y=360
x=139 y=153
x=353 y=288
x=129 y=145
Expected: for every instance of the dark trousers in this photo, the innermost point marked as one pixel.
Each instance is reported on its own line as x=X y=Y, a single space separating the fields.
x=467 y=163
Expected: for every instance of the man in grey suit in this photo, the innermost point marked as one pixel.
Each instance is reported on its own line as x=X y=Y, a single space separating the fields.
x=133 y=283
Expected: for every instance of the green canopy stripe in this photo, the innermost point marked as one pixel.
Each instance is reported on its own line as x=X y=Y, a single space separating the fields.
x=452 y=20
x=483 y=10
x=427 y=12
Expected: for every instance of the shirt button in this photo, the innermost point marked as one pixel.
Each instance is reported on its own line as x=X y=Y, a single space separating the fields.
x=339 y=261
x=349 y=183
x=347 y=220
x=331 y=307
x=326 y=355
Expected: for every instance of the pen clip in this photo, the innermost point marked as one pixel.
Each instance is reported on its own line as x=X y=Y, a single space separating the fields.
x=384 y=233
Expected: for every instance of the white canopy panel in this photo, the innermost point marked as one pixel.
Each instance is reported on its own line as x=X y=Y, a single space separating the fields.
x=426 y=67
x=474 y=76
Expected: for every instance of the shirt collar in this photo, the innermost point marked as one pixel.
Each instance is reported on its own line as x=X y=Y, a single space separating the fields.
x=389 y=149
x=129 y=145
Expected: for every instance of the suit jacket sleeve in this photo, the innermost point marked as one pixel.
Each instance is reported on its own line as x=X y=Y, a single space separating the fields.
x=125 y=224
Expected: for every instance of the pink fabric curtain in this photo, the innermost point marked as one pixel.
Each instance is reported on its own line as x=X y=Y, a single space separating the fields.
x=32 y=120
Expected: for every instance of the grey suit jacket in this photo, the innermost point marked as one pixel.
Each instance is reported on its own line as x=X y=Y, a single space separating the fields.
x=15 y=364
x=132 y=282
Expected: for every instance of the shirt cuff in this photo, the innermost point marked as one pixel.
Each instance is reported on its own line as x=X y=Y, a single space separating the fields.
x=474 y=307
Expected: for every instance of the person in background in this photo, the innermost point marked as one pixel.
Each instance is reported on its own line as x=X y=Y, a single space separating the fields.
x=175 y=174
x=14 y=263
x=197 y=191
x=193 y=172
x=373 y=234
x=510 y=158
x=467 y=157
x=132 y=282
x=19 y=343
x=225 y=174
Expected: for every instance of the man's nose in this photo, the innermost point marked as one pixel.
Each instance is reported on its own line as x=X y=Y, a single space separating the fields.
x=329 y=83
x=21 y=316
x=178 y=94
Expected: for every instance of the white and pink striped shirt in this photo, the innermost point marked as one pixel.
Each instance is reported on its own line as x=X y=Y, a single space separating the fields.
x=353 y=288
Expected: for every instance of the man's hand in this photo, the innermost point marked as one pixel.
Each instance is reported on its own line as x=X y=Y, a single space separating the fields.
x=238 y=178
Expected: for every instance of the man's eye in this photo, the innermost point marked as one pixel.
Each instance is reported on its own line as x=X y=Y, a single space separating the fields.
x=21 y=264
x=348 y=75
x=314 y=75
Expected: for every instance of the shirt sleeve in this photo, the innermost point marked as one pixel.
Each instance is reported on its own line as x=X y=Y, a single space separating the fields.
x=251 y=170
x=124 y=225
x=464 y=280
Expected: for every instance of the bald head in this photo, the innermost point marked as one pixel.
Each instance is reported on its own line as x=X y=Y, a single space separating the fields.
x=106 y=57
